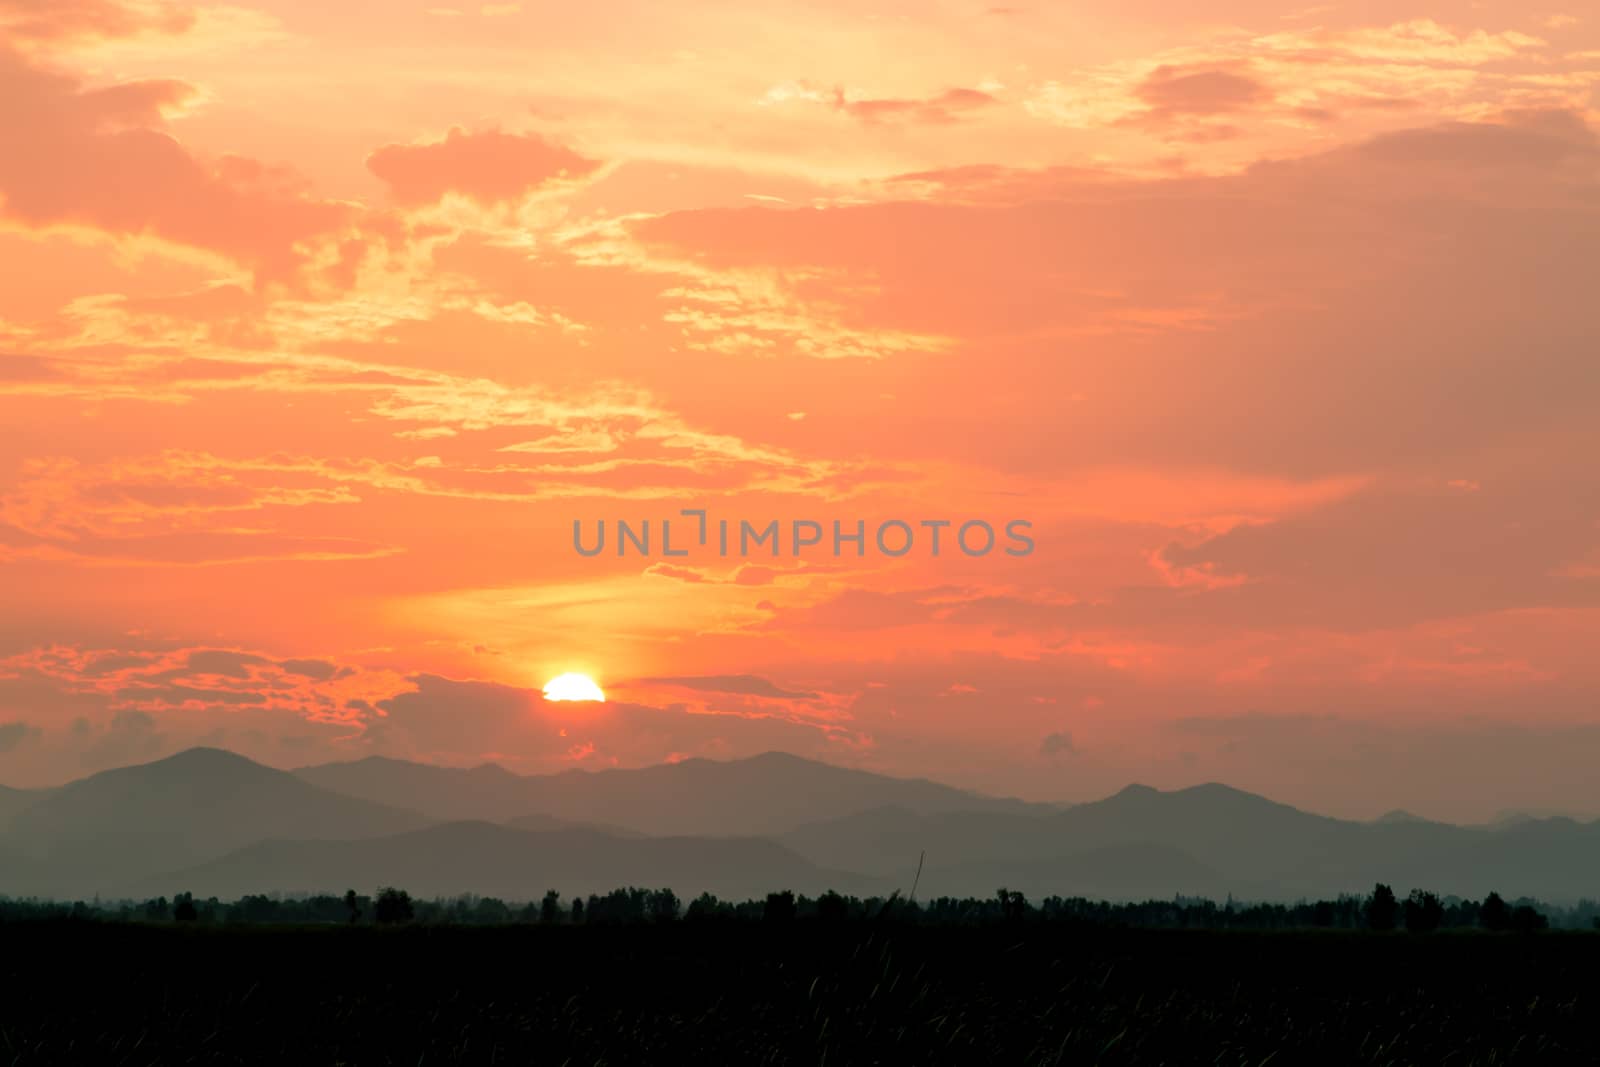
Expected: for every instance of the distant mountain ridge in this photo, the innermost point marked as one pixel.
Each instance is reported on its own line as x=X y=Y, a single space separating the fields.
x=212 y=821
x=104 y=830
x=493 y=860
x=764 y=794
x=1217 y=840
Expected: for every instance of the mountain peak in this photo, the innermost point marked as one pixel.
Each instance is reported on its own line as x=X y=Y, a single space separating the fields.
x=206 y=755
x=777 y=756
x=200 y=762
x=1219 y=790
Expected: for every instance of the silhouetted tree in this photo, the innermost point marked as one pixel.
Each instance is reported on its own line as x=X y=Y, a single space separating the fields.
x=394 y=906
x=663 y=906
x=1013 y=905
x=1381 y=908
x=490 y=910
x=550 y=910
x=831 y=907
x=705 y=907
x=577 y=909
x=630 y=905
x=780 y=907
x=256 y=908
x=1525 y=919
x=183 y=909
x=1461 y=913
x=1424 y=912
x=1494 y=915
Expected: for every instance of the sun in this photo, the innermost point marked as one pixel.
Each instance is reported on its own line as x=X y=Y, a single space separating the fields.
x=572 y=687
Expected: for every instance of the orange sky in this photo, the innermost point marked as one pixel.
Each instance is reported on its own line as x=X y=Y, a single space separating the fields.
x=320 y=324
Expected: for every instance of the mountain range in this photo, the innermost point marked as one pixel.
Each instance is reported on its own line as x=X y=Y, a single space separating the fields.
x=215 y=823
x=760 y=795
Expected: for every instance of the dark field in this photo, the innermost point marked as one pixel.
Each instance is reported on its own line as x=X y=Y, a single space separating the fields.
x=806 y=993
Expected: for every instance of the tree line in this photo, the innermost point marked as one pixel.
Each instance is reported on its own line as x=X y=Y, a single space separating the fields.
x=1381 y=910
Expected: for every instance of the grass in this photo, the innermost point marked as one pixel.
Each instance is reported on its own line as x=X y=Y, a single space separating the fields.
x=806 y=993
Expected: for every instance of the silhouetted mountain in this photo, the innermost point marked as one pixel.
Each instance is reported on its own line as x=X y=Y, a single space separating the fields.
x=1509 y=817
x=548 y=823
x=1554 y=859
x=493 y=860
x=488 y=792
x=1250 y=846
x=1202 y=822
x=121 y=824
x=247 y=828
x=764 y=794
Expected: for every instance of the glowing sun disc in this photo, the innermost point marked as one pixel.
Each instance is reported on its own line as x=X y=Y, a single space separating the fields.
x=572 y=687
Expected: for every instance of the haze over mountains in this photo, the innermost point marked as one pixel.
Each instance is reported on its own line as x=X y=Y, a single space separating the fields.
x=493 y=860
x=14 y=800
x=760 y=795
x=112 y=828
x=214 y=823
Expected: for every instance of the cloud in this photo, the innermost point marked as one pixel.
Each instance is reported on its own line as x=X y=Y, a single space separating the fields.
x=13 y=735
x=1274 y=292
x=489 y=167
x=682 y=574
x=1189 y=98
x=315 y=669
x=164 y=681
x=857 y=609
x=221 y=662
x=747 y=684
x=467 y=722
x=171 y=509
x=57 y=21
x=1176 y=91
x=1058 y=743
x=1399 y=554
x=99 y=158
x=943 y=108
x=1294 y=82
x=745 y=574
x=130 y=737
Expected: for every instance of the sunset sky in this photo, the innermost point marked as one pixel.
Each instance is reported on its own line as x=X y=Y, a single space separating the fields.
x=321 y=324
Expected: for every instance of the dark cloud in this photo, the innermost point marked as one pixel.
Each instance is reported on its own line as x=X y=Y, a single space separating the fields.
x=222 y=662
x=317 y=670
x=745 y=684
x=129 y=737
x=13 y=735
x=1058 y=743
x=468 y=722
x=1182 y=91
